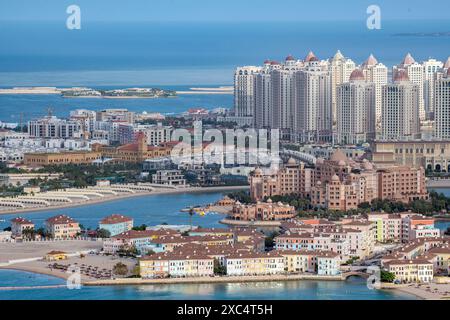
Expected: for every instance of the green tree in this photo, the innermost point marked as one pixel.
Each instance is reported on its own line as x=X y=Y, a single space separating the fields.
x=103 y=233
x=387 y=276
x=218 y=268
x=120 y=269
x=269 y=240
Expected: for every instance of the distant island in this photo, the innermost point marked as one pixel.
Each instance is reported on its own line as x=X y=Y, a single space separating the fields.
x=423 y=34
x=117 y=93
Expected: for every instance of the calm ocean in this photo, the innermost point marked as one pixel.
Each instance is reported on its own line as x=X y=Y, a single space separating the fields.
x=173 y=53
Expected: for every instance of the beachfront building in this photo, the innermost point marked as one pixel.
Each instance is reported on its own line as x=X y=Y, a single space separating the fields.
x=116 y=223
x=169 y=178
x=254 y=263
x=415 y=270
x=62 y=227
x=442 y=261
x=55 y=255
x=262 y=211
x=19 y=225
x=328 y=264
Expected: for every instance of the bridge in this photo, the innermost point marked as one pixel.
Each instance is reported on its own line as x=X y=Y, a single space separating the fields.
x=360 y=274
x=305 y=157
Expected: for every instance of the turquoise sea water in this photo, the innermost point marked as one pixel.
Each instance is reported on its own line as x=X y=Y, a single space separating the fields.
x=149 y=210
x=35 y=106
x=352 y=289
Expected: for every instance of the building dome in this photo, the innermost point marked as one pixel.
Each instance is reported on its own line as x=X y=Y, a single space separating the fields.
x=341 y=163
x=338 y=156
x=319 y=183
x=357 y=75
x=292 y=161
x=371 y=61
x=258 y=172
x=269 y=200
x=367 y=165
x=290 y=58
x=311 y=57
x=408 y=60
x=267 y=61
x=274 y=63
x=401 y=75
x=335 y=178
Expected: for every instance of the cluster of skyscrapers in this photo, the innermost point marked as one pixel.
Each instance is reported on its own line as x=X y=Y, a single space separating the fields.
x=314 y=100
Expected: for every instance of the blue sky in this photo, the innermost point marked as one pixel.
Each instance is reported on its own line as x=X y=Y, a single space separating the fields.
x=221 y=10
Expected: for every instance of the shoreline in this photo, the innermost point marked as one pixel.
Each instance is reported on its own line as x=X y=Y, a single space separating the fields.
x=126 y=196
x=418 y=291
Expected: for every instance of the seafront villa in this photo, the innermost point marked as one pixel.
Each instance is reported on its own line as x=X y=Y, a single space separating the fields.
x=19 y=225
x=62 y=227
x=116 y=223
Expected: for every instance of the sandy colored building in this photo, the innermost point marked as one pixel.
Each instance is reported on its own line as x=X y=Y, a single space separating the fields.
x=432 y=155
x=263 y=211
x=416 y=270
x=55 y=256
x=254 y=263
x=293 y=178
x=62 y=227
x=72 y=157
x=134 y=152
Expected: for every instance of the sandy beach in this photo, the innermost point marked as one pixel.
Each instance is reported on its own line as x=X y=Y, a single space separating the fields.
x=431 y=291
x=121 y=197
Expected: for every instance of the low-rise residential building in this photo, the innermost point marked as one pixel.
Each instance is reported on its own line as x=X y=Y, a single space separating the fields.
x=415 y=270
x=169 y=177
x=442 y=253
x=116 y=223
x=253 y=263
x=72 y=157
x=328 y=264
x=141 y=240
x=19 y=224
x=62 y=227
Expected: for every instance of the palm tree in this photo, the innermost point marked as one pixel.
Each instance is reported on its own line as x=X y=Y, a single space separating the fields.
x=191 y=213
